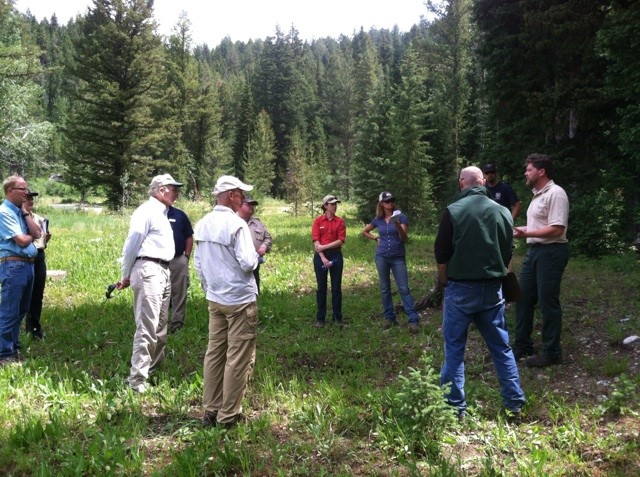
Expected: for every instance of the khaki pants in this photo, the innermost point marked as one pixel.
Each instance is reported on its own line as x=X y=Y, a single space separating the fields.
x=151 y=286
x=179 y=267
x=230 y=357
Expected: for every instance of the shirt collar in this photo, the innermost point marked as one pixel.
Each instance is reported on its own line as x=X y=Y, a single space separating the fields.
x=544 y=189
x=12 y=206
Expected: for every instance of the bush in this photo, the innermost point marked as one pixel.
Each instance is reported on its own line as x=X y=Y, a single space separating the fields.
x=415 y=417
x=595 y=223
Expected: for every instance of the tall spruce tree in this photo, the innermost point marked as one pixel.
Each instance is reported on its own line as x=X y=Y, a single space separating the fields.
x=448 y=53
x=409 y=178
x=24 y=132
x=112 y=132
x=260 y=155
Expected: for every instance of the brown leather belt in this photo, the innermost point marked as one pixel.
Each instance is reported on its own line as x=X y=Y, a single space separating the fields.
x=16 y=258
x=157 y=260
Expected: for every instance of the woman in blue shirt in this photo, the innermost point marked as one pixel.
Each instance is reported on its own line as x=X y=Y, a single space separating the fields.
x=392 y=228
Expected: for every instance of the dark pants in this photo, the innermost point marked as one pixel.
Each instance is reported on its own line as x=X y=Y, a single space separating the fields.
x=336 y=285
x=256 y=275
x=540 y=280
x=32 y=322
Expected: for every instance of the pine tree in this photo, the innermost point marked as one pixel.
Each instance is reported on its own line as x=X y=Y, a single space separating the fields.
x=24 y=133
x=448 y=53
x=113 y=131
x=260 y=156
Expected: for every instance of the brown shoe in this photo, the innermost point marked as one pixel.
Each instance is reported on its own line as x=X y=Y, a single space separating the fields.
x=414 y=328
x=210 y=419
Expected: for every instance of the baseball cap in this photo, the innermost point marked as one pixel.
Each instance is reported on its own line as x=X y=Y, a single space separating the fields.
x=32 y=194
x=226 y=183
x=163 y=180
x=250 y=200
x=386 y=195
x=489 y=167
x=330 y=199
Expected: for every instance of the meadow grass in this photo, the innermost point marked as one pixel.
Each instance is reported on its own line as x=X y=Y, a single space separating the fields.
x=350 y=401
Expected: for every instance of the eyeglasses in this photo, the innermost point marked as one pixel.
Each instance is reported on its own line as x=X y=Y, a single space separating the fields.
x=388 y=201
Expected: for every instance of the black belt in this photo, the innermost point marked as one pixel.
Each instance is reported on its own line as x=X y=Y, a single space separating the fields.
x=17 y=258
x=536 y=245
x=157 y=260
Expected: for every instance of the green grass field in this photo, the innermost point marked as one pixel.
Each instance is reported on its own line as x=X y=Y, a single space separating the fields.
x=333 y=402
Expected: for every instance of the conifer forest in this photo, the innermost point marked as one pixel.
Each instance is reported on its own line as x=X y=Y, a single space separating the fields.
x=107 y=103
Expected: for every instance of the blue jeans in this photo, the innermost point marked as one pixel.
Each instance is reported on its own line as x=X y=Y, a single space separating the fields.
x=336 y=285
x=481 y=303
x=16 y=282
x=540 y=279
x=397 y=266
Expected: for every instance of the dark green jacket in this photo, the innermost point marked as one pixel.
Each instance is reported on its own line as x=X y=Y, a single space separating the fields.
x=482 y=236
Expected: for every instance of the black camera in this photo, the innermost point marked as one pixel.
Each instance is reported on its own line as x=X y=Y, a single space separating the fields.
x=110 y=289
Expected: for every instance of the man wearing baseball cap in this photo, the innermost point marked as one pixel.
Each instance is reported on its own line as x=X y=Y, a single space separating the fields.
x=224 y=261
x=262 y=240
x=500 y=191
x=146 y=254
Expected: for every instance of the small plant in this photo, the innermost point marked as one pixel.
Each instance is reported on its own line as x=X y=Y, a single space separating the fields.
x=624 y=399
x=612 y=365
x=416 y=415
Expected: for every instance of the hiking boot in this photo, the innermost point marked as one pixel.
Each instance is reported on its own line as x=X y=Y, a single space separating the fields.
x=210 y=419
x=319 y=324
x=542 y=361
x=388 y=324
x=414 y=328
x=175 y=327
x=238 y=419
x=520 y=353
x=513 y=416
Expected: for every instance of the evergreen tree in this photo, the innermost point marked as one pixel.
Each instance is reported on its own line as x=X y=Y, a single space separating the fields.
x=113 y=131
x=297 y=176
x=374 y=152
x=24 y=133
x=618 y=42
x=282 y=90
x=448 y=54
x=260 y=156
x=409 y=177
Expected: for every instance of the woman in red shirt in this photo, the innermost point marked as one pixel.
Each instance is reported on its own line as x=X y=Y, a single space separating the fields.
x=328 y=234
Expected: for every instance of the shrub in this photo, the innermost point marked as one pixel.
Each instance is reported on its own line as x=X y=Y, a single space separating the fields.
x=595 y=223
x=415 y=417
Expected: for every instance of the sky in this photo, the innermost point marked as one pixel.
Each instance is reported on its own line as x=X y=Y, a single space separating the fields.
x=241 y=20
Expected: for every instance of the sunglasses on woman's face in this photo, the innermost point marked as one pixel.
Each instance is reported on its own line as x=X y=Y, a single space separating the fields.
x=388 y=201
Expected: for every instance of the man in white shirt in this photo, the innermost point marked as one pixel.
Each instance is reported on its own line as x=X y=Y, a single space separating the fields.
x=544 y=263
x=146 y=254
x=224 y=261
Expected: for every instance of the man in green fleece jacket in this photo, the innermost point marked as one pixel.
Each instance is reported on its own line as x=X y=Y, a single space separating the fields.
x=472 y=249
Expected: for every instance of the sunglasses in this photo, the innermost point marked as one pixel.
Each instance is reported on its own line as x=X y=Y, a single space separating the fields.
x=388 y=201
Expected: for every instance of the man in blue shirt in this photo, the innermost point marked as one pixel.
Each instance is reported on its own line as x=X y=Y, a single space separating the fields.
x=17 y=254
x=179 y=266
x=501 y=192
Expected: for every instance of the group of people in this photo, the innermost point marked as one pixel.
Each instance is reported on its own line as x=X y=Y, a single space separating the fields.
x=230 y=245
x=23 y=238
x=473 y=249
